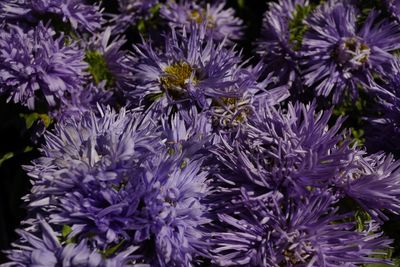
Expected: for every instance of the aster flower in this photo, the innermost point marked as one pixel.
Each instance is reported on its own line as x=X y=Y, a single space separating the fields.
x=131 y=11
x=112 y=177
x=43 y=247
x=338 y=57
x=374 y=183
x=190 y=132
x=292 y=149
x=76 y=12
x=86 y=99
x=387 y=118
x=272 y=230
x=221 y=22
x=281 y=38
x=107 y=61
x=393 y=6
x=113 y=141
x=189 y=68
x=35 y=64
x=192 y=70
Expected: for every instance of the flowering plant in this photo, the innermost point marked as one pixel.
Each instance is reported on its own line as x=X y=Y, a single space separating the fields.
x=192 y=133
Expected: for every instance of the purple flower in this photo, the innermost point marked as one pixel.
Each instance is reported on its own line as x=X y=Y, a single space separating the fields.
x=131 y=11
x=112 y=142
x=43 y=247
x=221 y=22
x=292 y=148
x=393 y=7
x=279 y=43
x=114 y=179
x=107 y=61
x=374 y=183
x=192 y=70
x=86 y=99
x=338 y=57
x=76 y=12
x=35 y=66
x=386 y=120
x=272 y=230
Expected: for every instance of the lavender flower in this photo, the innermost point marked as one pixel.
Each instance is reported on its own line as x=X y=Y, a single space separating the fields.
x=271 y=230
x=131 y=11
x=192 y=70
x=221 y=22
x=112 y=177
x=293 y=149
x=281 y=38
x=393 y=7
x=107 y=61
x=76 y=12
x=86 y=99
x=338 y=57
x=43 y=247
x=374 y=183
x=34 y=64
x=387 y=115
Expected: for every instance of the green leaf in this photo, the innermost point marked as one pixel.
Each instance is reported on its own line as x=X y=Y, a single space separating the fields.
x=297 y=28
x=32 y=117
x=110 y=251
x=241 y=3
x=66 y=230
x=98 y=68
x=6 y=156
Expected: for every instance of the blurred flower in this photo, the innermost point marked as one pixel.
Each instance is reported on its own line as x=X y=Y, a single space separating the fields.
x=393 y=7
x=386 y=118
x=76 y=12
x=131 y=11
x=220 y=22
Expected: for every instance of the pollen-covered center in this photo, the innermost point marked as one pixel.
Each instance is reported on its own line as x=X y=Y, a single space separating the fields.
x=199 y=16
x=352 y=53
x=231 y=111
x=176 y=78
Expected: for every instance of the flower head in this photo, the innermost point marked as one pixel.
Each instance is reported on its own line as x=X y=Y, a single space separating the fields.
x=193 y=71
x=292 y=149
x=220 y=22
x=281 y=38
x=107 y=61
x=114 y=183
x=339 y=56
x=76 y=12
x=272 y=230
x=45 y=247
x=36 y=66
x=131 y=11
x=374 y=183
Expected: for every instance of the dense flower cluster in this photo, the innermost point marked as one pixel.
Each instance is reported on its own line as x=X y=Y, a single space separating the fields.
x=170 y=143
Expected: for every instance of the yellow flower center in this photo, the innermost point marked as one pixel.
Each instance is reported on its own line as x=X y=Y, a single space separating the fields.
x=352 y=53
x=176 y=77
x=199 y=17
